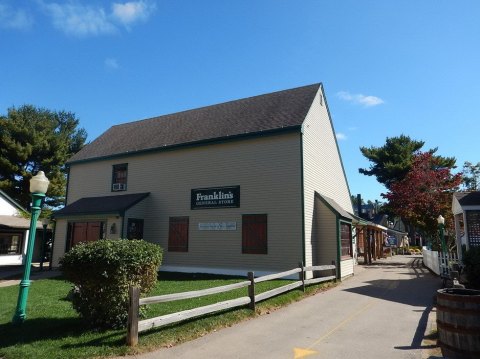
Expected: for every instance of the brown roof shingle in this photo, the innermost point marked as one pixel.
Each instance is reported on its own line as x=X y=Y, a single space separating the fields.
x=274 y=111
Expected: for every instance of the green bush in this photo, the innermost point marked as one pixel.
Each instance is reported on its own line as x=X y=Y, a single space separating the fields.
x=103 y=270
x=471 y=260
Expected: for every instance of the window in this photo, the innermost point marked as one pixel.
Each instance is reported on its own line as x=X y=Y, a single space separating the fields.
x=119 y=177
x=135 y=228
x=84 y=232
x=254 y=234
x=473 y=228
x=11 y=243
x=178 y=234
x=346 y=237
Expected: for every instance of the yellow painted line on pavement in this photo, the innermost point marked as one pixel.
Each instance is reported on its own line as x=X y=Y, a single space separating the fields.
x=302 y=353
x=298 y=352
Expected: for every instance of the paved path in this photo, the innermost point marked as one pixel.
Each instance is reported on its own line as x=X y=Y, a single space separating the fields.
x=11 y=275
x=381 y=312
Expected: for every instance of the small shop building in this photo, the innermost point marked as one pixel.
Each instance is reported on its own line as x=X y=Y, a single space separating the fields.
x=14 y=231
x=255 y=184
x=466 y=212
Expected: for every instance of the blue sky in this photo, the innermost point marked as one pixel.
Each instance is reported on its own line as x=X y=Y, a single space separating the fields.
x=388 y=67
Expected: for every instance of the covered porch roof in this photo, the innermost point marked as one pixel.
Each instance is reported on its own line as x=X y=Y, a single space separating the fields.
x=114 y=205
x=463 y=201
x=14 y=222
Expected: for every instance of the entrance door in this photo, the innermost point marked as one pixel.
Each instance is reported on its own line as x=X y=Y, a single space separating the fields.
x=135 y=228
x=84 y=232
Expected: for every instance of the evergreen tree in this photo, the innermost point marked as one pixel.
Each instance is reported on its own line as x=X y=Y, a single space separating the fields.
x=471 y=176
x=392 y=161
x=36 y=139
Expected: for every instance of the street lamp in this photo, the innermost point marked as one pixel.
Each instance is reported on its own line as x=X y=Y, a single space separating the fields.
x=38 y=188
x=441 y=227
x=45 y=222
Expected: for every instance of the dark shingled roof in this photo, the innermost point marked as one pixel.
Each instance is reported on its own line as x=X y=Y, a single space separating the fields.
x=107 y=204
x=468 y=198
x=275 y=111
x=335 y=206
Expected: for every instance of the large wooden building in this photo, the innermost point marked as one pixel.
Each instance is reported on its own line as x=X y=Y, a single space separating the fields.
x=255 y=184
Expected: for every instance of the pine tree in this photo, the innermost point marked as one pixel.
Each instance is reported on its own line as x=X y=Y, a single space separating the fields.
x=37 y=139
x=392 y=161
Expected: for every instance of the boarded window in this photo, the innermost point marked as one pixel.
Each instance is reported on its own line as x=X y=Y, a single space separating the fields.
x=346 y=238
x=178 y=234
x=254 y=234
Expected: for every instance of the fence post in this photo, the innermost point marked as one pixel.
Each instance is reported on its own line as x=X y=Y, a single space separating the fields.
x=301 y=275
x=251 y=290
x=335 y=271
x=133 y=312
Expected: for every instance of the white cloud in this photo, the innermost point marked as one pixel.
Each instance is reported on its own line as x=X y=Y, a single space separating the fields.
x=15 y=19
x=79 y=20
x=74 y=18
x=366 y=101
x=133 y=11
x=341 y=136
x=111 y=63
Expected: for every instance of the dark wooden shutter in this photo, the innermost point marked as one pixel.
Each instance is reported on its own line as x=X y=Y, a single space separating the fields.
x=85 y=232
x=94 y=230
x=178 y=234
x=254 y=234
x=79 y=233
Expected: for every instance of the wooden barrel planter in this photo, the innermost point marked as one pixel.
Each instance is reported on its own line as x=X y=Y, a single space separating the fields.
x=458 y=322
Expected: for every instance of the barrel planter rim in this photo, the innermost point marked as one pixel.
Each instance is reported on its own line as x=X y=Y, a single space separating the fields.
x=457 y=323
x=459 y=294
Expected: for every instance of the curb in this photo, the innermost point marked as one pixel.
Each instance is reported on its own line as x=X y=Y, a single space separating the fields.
x=430 y=348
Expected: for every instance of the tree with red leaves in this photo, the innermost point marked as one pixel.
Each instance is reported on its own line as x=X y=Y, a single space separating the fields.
x=424 y=193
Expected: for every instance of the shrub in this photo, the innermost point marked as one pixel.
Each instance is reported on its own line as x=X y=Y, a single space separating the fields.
x=471 y=260
x=102 y=272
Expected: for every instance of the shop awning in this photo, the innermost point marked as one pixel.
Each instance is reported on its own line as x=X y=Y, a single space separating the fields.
x=115 y=205
x=16 y=222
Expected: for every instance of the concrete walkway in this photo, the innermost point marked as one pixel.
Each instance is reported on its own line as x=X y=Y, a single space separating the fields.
x=11 y=275
x=384 y=311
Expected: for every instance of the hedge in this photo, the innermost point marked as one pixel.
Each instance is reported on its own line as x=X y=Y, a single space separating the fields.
x=102 y=272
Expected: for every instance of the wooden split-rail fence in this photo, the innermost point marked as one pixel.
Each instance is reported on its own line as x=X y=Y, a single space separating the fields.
x=134 y=325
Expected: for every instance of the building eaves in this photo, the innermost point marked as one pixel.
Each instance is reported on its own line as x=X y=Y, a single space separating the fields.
x=282 y=110
x=468 y=198
x=333 y=205
x=116 y=204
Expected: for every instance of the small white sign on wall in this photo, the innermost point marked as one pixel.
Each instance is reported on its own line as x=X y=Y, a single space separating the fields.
x=217 y=226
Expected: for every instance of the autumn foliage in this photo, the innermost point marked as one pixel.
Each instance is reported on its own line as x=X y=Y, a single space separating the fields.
x=424 y=193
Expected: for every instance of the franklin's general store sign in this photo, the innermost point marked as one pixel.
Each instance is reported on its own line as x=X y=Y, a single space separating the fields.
x=215 y=197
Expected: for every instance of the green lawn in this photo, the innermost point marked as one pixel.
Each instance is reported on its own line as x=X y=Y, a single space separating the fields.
x=54 y=330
